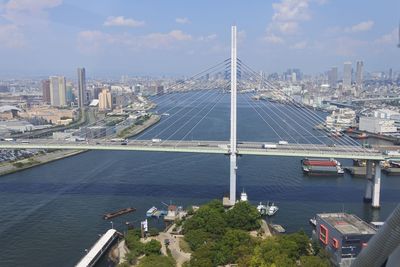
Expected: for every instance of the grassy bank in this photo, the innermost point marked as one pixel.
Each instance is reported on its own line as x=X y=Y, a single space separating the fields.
x=139 y=126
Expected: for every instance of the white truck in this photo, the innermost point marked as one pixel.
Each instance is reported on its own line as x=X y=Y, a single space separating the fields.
x=270 y=146
x=283 y=143
x=156 y=140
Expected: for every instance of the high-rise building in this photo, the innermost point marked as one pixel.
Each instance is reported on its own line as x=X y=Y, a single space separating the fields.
x=390 y=74
x=46 y=91
x=333 y=77
x=105 y=100
x=294 y=77
x=68 y=93
x=82 y=101
x=57 y=91
x=347 y=76
x=359 y=73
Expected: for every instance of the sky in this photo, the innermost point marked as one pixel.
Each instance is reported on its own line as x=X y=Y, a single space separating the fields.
x=177 y=37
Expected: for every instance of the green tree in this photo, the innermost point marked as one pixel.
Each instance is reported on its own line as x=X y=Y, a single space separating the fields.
x=210 y=218
x=313 y=261
x=152 y=247
x=234 y=245
x=243 y=216
x=204 y=256
x=157 y=261
x=197 y=238
x=154 y=231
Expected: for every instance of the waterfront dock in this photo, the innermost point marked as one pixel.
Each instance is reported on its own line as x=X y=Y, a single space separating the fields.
x=117 y=213
x=98 y=249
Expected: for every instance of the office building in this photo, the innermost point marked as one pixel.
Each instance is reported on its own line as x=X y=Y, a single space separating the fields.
x=57 y=91
x=82 y=100
x=105 y=100
x=333 y=77
x=347 y=76
x=343 y=236
x=46 y=91
x=359 y=73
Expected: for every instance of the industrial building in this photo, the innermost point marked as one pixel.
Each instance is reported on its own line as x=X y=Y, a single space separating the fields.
x=377 y=125
x=343 y=236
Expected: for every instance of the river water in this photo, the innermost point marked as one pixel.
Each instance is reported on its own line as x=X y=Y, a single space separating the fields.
x=52 y=213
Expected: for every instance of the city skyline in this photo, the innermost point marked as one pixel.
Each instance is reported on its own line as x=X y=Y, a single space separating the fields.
x=177 y=39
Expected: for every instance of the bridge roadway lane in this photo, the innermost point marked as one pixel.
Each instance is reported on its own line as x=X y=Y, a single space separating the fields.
x=217 y=147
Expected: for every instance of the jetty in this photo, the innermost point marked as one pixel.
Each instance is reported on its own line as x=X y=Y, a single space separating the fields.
x=117 y=213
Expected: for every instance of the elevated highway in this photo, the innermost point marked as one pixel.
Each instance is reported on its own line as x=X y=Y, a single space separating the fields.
x=209 y=147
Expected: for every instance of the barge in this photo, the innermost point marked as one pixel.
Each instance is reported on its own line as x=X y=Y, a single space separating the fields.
x=318 y=166
x=117 y=213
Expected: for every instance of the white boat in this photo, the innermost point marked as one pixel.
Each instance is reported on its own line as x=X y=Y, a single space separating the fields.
x=152 y=211
x=243 y=196
x=271 y=209
x=262 y=209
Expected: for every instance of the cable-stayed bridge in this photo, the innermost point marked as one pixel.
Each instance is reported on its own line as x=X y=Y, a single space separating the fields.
x=287 y=120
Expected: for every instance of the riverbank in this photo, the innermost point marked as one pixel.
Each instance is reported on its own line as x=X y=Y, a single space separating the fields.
x=37 y=160
x=139 y=126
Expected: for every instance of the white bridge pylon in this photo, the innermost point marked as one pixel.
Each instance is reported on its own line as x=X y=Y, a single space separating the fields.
x=233 y=141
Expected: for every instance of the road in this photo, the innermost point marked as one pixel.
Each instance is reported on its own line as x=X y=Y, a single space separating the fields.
x=212 y=147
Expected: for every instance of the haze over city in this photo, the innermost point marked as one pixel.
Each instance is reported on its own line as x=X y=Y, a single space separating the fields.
x=113 y=38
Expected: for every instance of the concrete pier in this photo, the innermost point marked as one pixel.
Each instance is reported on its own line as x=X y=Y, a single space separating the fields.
x=369 y=184
x=377 y=186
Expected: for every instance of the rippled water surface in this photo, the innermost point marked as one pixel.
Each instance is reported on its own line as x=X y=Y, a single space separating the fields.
x=51 y=213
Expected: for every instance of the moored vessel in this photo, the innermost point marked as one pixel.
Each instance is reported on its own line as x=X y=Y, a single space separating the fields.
x=321 y=166
x=151 y=212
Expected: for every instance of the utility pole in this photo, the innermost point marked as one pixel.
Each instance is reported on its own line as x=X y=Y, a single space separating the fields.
x=233 y=143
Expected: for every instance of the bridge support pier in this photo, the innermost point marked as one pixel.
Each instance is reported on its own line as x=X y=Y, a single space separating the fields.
x=377 y=186
x=369 y=184
x=233 y=139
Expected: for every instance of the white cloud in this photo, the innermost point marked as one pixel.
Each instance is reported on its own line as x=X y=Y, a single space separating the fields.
x=273 y=39
x=299 y=45
x=121 y=21
x=286 y=19
x=22 y=15
x=94 y=41
x=360 y=27
x=291 y=10
x=389 y=38
x=209 y=37
x=182 y=20
x=11 y=36
x=23 y=12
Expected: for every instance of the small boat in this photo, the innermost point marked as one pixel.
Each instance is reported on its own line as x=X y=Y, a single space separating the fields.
x=271 y=209
x=243 y=196
x=151 y=212
x=313 y=222
x=262 y=209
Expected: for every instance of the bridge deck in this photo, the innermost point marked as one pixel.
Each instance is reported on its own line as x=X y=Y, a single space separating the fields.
x=210 y=147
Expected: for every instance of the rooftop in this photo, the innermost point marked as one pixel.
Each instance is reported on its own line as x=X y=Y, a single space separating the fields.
x=347 y=223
